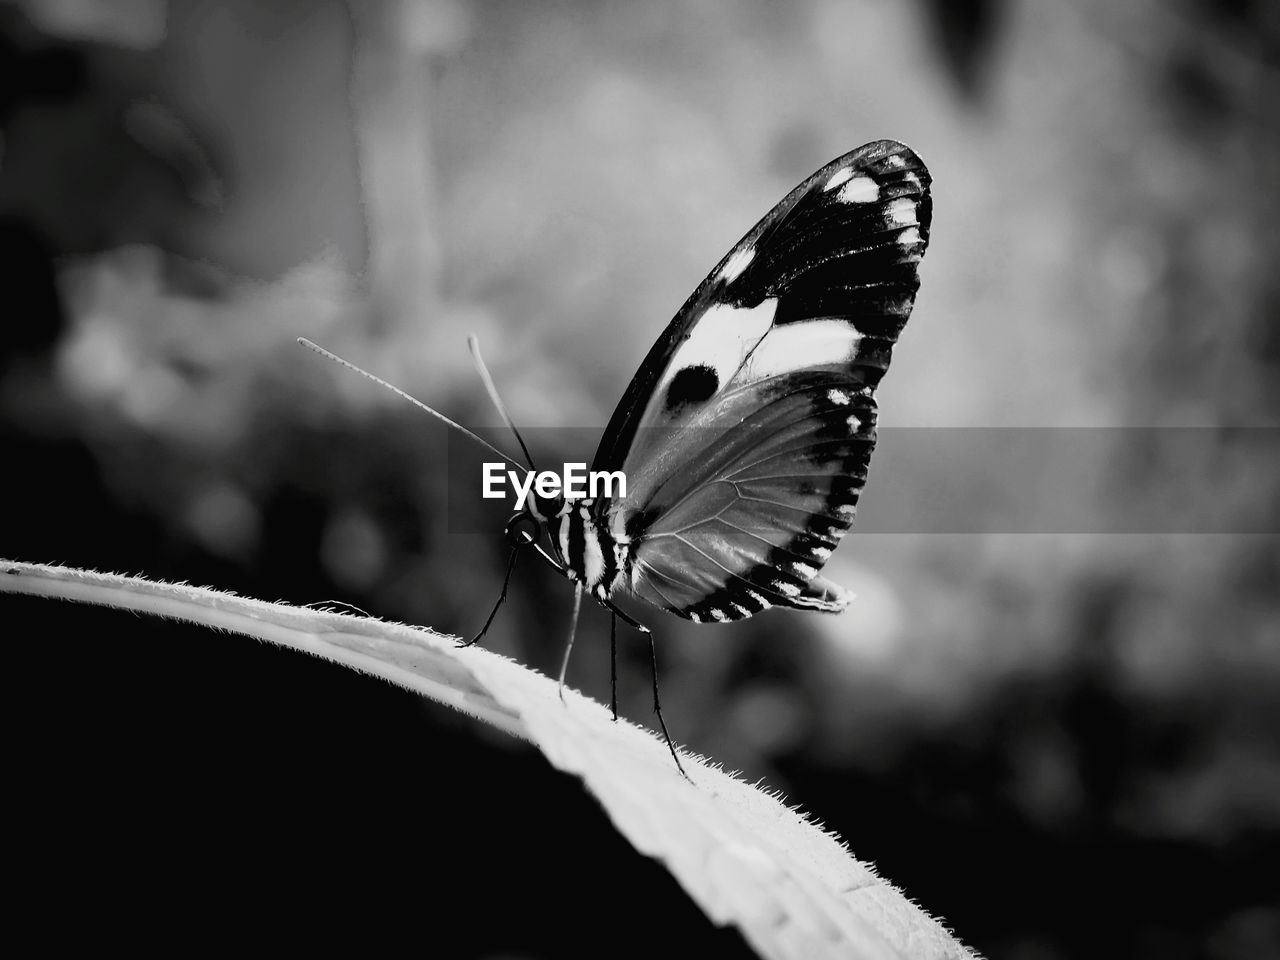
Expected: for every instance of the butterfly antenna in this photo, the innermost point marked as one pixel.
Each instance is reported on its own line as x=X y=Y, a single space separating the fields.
x=490 y=386
x=416 y=402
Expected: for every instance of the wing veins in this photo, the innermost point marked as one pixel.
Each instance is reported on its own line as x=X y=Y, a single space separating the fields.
x=654 y=570
x=693 y=490
x=793 y=450
x=735 y=576
x=769 y=544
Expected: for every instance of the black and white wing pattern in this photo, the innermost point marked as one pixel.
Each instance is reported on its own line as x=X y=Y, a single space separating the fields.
x=746 y=433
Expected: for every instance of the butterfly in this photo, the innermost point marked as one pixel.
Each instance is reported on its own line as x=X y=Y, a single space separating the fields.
x=746 y=433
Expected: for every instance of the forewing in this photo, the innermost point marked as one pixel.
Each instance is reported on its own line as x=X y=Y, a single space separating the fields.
x=842 y=245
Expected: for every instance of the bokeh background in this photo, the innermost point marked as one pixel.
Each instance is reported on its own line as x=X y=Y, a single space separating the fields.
x=1065 y=742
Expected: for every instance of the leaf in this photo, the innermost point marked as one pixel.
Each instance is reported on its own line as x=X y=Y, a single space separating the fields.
x=745 y=857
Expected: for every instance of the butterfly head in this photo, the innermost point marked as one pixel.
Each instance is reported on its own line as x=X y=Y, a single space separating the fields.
x=539 y=512
x=523 y=529
x=545 y=509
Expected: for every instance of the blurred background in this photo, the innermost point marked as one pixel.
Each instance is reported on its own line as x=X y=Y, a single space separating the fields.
x=1064 y=741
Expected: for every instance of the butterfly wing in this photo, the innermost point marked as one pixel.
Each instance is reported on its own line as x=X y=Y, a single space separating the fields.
x=746 y=433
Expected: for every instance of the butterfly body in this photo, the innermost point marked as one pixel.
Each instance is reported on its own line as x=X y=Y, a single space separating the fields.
x=587 y=551
x=746 y=433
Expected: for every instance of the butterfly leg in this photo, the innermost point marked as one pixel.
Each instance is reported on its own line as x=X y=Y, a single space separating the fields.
x=653 y=665
x=506 y=581
x=573 y=629
x=613 y=665
x=621 y=614
x=657 y=707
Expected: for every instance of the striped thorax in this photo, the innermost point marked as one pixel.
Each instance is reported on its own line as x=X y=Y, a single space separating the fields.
x=589 y=552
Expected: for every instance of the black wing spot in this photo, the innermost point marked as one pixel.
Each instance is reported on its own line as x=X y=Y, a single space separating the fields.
x=691 y=385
